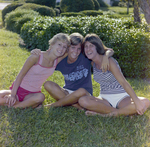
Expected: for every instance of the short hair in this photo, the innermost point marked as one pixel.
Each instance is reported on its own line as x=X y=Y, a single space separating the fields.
x=60 y=37
x=76 y=38
x=94 y=39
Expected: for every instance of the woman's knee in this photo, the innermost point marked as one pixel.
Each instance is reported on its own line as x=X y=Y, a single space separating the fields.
x=40 y=98
x=49 y=85
x=83 y=101
x=82 y=92
x=147 y=102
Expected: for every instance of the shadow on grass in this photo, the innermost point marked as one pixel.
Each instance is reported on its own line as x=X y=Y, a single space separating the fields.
x=68 y=127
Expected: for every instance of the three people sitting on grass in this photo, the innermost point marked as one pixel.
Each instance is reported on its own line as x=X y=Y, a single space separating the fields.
x=116 y=95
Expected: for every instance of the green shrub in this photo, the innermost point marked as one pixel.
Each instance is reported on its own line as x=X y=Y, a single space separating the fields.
x=129 y=40
x=68 y=14
x=96 y=4
x=43 y=10
x=49 y=3
x=115 y=3
x=76 y=5
x=57 y=11
x=102 y=3
x=15 y=19
x=92 y=12
x=9 y=8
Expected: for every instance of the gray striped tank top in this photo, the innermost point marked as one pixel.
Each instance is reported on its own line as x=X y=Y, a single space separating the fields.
x=107 y=81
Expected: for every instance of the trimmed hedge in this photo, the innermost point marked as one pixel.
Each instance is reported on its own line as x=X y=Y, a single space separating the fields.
x=76 y=5
x=49 y=3
x=68 y=14
x=92 y=12
x=43 y=10
x=129 y=41
x=15 y=19
x=83 y=13
x=9 y=8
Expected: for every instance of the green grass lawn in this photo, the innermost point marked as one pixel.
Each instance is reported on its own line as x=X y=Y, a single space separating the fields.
x=65 y=126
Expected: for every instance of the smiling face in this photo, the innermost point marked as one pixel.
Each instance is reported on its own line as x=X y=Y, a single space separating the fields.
x=59 y=48
x=74 y=51
x=90 y=50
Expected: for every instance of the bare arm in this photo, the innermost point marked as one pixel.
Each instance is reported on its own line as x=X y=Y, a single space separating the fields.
x=28 y=64
x=38 y=52
x=123 y=82
x=105 y=62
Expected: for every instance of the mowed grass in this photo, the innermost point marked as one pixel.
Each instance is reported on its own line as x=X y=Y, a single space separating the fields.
x=65 y=126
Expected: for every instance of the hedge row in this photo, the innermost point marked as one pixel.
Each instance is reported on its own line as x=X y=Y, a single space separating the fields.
x=43 y=10
x=129 y=40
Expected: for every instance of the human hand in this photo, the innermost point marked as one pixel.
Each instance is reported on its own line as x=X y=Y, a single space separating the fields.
x=105 y=64
x=140 y=107
x=36 y=52
x=10 y=100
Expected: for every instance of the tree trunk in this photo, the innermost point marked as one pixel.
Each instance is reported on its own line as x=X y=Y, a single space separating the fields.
x=145 y=6
x=128 y=7
x=136 y=13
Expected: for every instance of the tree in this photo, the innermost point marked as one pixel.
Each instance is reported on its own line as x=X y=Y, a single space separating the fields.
x=145 y=6
x=136 y=12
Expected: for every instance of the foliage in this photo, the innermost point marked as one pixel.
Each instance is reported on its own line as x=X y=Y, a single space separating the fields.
x=92 y=12
x=76 y=5
x=15 y=19
x=83 y=13
x=102 y=3
x=49 y=3
x=129 y=40
x=9 y=8
x=68 y=14
x=96 y=4
x=57 y=11
x=43 y=10
x=115 y=3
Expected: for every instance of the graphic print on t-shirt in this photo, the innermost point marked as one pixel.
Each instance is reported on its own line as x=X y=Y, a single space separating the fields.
x=79 y=74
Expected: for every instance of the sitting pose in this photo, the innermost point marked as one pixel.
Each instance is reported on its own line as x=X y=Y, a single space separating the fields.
x=26 y=89
x=76 y=69
x=116 y=95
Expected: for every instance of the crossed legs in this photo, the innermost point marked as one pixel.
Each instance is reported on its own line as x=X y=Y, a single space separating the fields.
x=102 y=107
x=62 y=96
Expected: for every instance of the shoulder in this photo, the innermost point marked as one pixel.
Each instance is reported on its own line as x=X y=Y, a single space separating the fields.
x=33 y=58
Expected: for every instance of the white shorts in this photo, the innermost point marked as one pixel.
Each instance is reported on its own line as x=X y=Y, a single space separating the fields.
x=69 y=91
x=114 y=99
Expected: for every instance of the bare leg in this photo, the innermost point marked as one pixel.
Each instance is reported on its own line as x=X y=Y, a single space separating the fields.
x=31 y=100
x=95 y=105
x=71 y=98
x=55 y=90
x=127 y=107
x=62 y=96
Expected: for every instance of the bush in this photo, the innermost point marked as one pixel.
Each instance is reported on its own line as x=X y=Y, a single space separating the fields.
x=49 y=3
x=15 y=19
x=57 y=11
x=102 y=3
x=92 y=12
x=130 y=41
x=68 y=14
x=115 y=3
x=9 y=8
x=43 y=10
x=76 y=5
x=96 y=4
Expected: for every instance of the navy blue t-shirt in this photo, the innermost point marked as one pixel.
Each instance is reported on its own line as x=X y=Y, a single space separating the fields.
x=78 y=74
